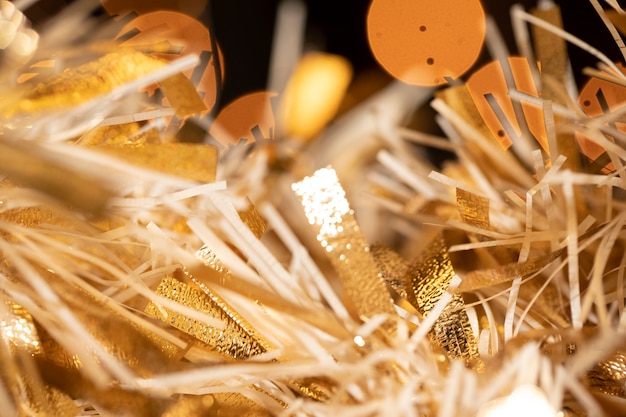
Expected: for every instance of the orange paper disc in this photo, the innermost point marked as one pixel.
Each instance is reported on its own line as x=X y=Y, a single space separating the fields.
x=181 y=35
x=423 y=42
x=596 y=98
x=248 y=118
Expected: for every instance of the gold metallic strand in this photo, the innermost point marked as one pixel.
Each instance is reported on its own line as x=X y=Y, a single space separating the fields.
x=427 y=279
x=237 y=341
x=609 y=376
x=474 y=209
x=328 y=211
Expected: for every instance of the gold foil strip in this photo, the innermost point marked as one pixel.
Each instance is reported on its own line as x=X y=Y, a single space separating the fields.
x=237 y=405
x=85 y=82
x=182 y=95
x=190 y=161
x=427 y=279
x=237 y=341
x=474 y=209
x=328 y=211
x=392 y=267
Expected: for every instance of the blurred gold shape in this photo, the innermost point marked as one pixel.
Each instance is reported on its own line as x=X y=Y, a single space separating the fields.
x=314 y=94
x=191 y=161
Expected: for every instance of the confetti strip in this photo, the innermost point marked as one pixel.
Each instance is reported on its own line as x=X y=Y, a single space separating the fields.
x=328 y=211
x=428 y=278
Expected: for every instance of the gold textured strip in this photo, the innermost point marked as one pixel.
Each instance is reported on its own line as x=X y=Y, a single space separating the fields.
x=427 y=279
x=328 y=211
x=474 y=209
x=609 y=377
x=392 y=267
x=237 y=341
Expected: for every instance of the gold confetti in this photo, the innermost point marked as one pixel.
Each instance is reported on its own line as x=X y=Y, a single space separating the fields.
x=427 y=279
x=328 y=211
x=237 y=341
x=392 y=267
x=474 y=209
x=88 y=81
x=182 y=95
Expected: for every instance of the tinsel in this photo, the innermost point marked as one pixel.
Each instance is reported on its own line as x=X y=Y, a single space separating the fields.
x=275 y=259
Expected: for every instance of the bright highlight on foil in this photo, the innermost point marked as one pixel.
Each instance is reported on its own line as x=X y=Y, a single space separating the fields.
x=324 y=201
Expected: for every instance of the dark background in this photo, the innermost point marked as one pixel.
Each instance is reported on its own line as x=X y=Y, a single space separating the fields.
x=244 y=30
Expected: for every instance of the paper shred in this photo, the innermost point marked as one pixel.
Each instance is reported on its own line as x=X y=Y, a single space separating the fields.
x=427 y=279
x=29 y=166
x=328 y=211
x=190 y=161
x=237 y=341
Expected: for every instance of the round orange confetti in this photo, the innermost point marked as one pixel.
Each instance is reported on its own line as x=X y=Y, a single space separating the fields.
x=248 y=118
x=123 y=7
x=596 y=98
x=180 y=35
x=489 y=79
x=424 y=42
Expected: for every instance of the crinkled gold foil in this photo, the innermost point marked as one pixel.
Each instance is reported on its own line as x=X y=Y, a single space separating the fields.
x=427 y=279
x=237 y=341
x=253 y=219
x=392 y=268
x=191 y=406
x=609 y=376
x=474 y=209
x=328 y=211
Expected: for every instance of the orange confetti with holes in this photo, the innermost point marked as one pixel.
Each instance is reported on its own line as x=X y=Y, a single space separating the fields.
x=596 y=98
x=490 y=80
x=183 y=35
x=248 y=118
x=426 y=42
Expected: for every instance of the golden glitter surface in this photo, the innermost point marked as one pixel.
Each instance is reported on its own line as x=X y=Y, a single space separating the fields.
x=236 y=341
x=474 y=209
x=328 y=211
x=427 y=279
x=18 y=329
x=85 y=82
